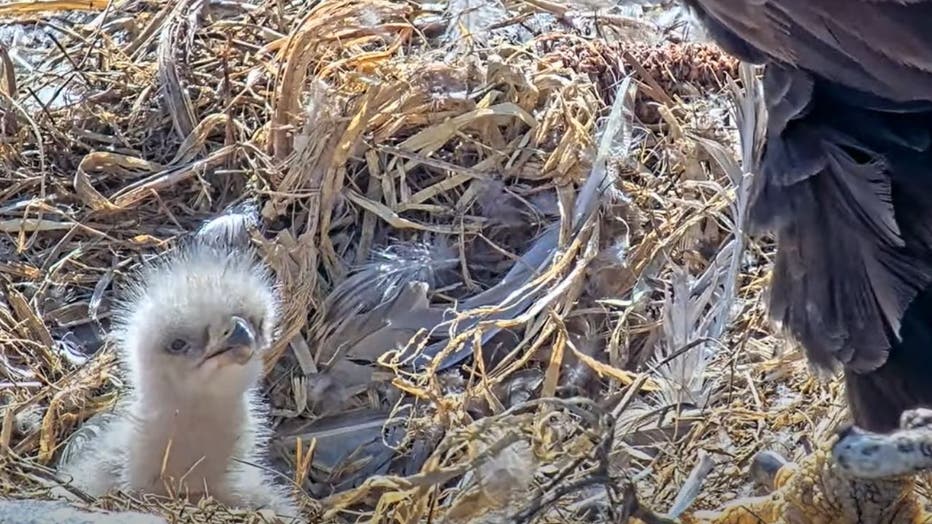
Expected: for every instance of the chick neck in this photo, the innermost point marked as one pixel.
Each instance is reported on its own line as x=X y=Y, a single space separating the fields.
x=185 y=442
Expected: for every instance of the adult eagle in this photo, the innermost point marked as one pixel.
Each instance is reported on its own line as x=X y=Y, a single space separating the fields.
x=845 y=184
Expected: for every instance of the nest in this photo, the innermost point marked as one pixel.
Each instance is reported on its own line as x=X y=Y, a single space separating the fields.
x=508 y=248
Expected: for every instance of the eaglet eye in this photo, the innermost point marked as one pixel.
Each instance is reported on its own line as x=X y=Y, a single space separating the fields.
x=178 y=346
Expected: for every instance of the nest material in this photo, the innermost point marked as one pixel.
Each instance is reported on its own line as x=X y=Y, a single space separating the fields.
x=361 y=140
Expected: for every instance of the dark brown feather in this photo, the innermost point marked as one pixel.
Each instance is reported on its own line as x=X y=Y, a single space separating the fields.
x=843 y=188
x=845 y=184
x=877 y=46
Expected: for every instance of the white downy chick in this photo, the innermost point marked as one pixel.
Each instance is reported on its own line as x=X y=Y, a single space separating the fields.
x=191 y=333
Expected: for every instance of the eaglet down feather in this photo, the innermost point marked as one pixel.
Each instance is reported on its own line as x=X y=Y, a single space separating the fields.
x=190 y=332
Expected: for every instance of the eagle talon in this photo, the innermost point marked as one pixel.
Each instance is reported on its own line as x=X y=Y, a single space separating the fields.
x=764 y=468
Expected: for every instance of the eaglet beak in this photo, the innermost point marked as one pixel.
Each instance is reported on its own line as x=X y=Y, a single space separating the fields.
x=238 y=346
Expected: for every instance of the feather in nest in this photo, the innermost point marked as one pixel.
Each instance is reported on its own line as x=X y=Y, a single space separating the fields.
x=378 y=308
x=697 y=310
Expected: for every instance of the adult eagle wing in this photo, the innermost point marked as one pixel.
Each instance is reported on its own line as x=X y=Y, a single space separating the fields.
x=882 y=47
x=846 y=178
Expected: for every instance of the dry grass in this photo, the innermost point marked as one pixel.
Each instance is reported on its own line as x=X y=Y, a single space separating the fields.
x=430 y=190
